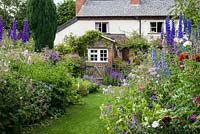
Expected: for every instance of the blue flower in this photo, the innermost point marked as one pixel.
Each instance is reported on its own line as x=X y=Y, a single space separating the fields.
x=167 y=22
x=153 y=97
x=154 y=57
x=13 y=33
x=180 y=33
x=25 y=33
x=185 y=25
x=1 y=29
x=164 y=64
x=189 y=27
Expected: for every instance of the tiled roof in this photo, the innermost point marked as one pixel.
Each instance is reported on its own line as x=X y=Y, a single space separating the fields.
x=103 y=8
x=66 y=24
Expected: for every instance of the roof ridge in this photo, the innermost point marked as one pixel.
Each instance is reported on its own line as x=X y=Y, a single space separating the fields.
x=66 y=24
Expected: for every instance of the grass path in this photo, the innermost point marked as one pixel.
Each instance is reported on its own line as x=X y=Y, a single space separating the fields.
x=79 y=119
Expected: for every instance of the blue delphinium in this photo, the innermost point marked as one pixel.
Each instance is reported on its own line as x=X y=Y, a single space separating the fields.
x=164 y=64
x=167 y=23
x=13 y=33
x=154 y=57
x=1 y=29
x=172 y=35
x=19 y=36
x=189 y=28
x=180 y=33
x=173 y=29
x=162 y=33
x=185 y=25
x=25 y=33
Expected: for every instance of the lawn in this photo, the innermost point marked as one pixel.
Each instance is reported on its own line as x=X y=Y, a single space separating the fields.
x=79 y=119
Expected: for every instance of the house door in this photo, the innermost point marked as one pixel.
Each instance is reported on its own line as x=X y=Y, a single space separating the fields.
x=125 y=54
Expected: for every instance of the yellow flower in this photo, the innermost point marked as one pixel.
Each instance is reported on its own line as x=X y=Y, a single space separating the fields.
x=108 y=128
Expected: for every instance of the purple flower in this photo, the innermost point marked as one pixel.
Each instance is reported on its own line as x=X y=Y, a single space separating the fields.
x=54 y=56
x=167 y=22
x=25 y=33
x=164 y=64
x=19 y=36
x=162 y=33
x=153 y=97
x=185 y=25
x=13 y=34
x=115 y=74
x=180 y=33
x=192 y=117
x=141 y=89
x=189 y=27
x=1 y=29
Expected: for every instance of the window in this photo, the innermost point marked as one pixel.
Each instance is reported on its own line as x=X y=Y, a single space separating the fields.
x=102 y=26
x=155 y=27
x=98 y=55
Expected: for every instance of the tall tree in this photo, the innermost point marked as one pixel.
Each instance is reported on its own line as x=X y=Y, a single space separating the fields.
x=189 y=8
x=43 y=22
x=65 y=11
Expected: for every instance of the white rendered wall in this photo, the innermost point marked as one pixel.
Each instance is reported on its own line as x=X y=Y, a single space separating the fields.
x=81 y=26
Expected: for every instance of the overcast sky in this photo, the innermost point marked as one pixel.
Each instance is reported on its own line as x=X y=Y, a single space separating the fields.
x=56 y=1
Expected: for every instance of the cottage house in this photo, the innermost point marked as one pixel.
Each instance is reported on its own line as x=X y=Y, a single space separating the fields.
x=115 y=17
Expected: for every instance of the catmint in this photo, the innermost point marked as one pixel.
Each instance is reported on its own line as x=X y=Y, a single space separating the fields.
x=13 y=33
x=25 y=33
x=1 y=29
x=54 y=56
x=180 y=33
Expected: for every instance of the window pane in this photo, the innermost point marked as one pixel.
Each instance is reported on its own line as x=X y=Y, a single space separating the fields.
x=153 y=24
x=159 y=27
x=153 y=29
x=104 y=27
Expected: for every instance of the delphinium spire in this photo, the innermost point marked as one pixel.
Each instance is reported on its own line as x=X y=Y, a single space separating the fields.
x=164 y=64
x=189 y=28
x=185 y=25
x=168 y=31
x=154 y=57
x=180 y=32
x=172 y=36
x=25 y=33
x=13 y=33
x=1 y=29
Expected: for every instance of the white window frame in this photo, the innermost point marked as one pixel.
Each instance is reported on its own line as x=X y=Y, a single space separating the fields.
x=98 y=53
x=101 y=26
x=156 y=27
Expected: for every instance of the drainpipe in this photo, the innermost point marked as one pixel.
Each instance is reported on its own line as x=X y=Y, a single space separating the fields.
x=140 y=26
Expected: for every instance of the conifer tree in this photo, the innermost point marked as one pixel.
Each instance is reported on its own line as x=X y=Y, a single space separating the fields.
x=43 y=24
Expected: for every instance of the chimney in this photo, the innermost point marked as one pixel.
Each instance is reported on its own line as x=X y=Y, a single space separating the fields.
x=79 y=4
x=135 y=1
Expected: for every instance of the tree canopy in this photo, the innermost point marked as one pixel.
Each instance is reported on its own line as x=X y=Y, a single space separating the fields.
x=43 y=22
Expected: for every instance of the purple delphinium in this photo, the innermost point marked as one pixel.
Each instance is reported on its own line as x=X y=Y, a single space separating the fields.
x=192 y=117
x=189 y=28
x=13 y=34
x=164 y=64
x=9 y=34
x=25 y=33
x=154 y=57
x=54 y=56
x=1 y=29
x=180 y=33
x=167 y=22
x=19 y=36
x=172 y=35
x=173 y=29
x=185 y=25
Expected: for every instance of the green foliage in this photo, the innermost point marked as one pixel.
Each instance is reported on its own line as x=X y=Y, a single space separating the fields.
x=190 y=9
x=65 y=11
x=43 y=23
x=80 y=44
x=137 y=42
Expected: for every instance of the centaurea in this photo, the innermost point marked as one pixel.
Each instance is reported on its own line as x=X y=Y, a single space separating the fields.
x=180 y=33
x=1 y=29
x=13 y=31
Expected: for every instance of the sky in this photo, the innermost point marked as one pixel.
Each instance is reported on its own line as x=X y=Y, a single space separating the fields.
x=56 y=1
